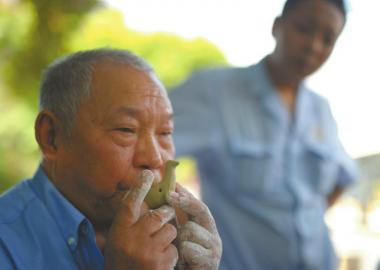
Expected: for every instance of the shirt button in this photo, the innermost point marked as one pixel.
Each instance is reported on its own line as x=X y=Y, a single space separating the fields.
x=71 y=241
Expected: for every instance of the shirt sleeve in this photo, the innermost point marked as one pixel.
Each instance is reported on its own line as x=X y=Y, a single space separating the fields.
x=6 y=262
x=348 y=171
x=193 y=115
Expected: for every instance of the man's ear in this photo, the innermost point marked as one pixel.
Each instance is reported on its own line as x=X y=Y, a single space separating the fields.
x=47 y=128
x=276 y=26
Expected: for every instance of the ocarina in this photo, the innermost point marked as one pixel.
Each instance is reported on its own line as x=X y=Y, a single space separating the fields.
x=156 y=196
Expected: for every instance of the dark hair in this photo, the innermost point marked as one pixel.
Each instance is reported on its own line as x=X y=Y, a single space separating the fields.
x=290 y=4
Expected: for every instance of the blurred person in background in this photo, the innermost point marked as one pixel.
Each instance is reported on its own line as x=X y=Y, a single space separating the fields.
x=267 y=149
x=105 y=132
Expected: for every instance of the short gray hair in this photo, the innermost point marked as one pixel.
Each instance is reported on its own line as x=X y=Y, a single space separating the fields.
x=66 y=82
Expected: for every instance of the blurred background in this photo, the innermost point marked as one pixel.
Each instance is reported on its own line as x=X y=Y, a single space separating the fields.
x=178 y=37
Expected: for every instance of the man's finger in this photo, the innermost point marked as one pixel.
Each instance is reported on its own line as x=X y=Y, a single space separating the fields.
x=197 y=210
x=195 y=233
x=153 y=220
x=195 y=255
x=130 y=207
x=165 y=236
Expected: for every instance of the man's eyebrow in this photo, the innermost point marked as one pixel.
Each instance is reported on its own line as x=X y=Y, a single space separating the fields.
x=132 y=112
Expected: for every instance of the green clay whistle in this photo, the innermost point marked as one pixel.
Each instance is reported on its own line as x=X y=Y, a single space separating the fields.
x=156 y=196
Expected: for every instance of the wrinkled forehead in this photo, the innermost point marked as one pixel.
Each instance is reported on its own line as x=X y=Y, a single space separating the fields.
x=116 y=84
x=110 y=76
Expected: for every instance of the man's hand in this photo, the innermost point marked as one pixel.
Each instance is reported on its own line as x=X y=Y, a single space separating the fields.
x=138 y=241
x=200 y=246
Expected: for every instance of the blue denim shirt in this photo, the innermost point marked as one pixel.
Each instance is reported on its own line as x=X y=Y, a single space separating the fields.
x=40 y=229
x=265 y=174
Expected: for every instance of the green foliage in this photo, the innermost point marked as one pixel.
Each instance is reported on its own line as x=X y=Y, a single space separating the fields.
x=18 y=150
x=46 y=26
x=32 y=34
x=172 y=57
x=47 y=29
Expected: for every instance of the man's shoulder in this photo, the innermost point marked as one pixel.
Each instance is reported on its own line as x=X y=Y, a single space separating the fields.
x=208 y=81
x=214 y=76
x=221 y=73
x=317 y=100
x=315 y=96
x=14 y=201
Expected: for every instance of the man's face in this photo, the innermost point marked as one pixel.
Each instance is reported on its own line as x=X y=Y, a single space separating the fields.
x=123 y=127
x=306 y=35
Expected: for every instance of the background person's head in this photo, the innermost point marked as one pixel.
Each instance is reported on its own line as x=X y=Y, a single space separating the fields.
x=305 y=35
x=291 y=4
x=118 y=123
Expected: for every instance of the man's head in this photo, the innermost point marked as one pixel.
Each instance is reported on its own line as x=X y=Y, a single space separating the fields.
x=67 y=80
x=291 y=4
x=104 y=118
x=305 y=35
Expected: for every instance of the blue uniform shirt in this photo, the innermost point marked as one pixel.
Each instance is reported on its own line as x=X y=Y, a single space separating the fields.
x=40 y=229
x=265 y=175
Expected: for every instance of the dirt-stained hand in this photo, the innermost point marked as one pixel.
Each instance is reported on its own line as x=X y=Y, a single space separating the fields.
x=200 y=246
x=141 y=242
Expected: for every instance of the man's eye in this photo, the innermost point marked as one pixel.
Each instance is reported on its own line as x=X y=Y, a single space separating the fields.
x=166 y=133
x=305 y=28
x=126 y=130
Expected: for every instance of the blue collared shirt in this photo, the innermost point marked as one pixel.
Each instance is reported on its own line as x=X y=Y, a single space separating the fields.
x=265 y=174
x=41 y=229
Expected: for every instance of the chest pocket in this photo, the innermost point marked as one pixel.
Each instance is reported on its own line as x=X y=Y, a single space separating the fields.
x=320 y=168
x=250 y=149
x=253 y=166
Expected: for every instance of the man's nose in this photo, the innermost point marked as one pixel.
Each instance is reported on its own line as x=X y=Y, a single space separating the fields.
x=315 y=44
x=148 y=153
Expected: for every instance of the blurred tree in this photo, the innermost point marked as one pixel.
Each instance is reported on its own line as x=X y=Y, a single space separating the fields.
x=172 y=57
x=18 y=151
x=47 y=29
x=32 y=34
x=47 y=26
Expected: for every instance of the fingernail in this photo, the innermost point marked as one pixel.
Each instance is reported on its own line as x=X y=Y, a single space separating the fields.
x=173 y=196
x=168 y=213
x=166 y=209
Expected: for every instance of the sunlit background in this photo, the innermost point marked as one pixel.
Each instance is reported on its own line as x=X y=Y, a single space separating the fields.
x=177 y=37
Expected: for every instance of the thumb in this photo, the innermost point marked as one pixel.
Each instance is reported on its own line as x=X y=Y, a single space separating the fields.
x=129 y=210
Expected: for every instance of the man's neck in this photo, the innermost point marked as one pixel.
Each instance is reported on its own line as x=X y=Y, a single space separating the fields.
x=286 y=87
x=101 y=239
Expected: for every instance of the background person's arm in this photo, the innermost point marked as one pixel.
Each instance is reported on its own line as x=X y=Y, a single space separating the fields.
x=334 y=195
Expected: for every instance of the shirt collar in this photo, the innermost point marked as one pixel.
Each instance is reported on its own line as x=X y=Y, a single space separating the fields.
x=264 y=88
x=67 y=217
x=262 y=82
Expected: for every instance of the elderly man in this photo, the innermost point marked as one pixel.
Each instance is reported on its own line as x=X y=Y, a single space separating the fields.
x=105 y=131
